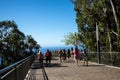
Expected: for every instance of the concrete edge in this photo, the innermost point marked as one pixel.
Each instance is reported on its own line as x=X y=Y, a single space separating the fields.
x=105 y=65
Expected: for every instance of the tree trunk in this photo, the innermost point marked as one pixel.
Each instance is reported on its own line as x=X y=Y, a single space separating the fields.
x=109 y=39
x=117 y=23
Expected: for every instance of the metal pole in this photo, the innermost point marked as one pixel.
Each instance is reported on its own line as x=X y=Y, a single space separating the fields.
x=98 y=47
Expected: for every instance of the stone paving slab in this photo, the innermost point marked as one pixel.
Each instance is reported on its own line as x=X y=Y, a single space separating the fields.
x=35 y=72
x=69 y=71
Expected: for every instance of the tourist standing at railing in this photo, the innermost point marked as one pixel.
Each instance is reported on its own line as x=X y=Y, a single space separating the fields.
x=40 y=57
x=76 y=55
x=48 y=56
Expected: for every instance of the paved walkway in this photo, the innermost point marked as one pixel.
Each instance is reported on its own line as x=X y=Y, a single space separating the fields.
x=69 y=71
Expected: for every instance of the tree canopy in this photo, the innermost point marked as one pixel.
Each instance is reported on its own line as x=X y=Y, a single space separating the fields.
x=104 y=13
x=14 y=45
x=72 y=39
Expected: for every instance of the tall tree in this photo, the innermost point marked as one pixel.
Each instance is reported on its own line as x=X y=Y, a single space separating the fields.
x=13 y=42
x=90 y=12
x=32 y=44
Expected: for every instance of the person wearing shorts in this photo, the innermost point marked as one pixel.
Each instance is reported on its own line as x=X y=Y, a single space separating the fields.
x=76 y=55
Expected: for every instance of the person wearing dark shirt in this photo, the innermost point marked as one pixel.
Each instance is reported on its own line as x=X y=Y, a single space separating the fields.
x=48 y=56
x=85 y=57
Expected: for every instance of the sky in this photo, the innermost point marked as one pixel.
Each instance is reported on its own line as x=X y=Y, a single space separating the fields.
x=47 y=21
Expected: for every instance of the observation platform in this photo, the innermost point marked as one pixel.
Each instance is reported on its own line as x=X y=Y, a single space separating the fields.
x=69 y=71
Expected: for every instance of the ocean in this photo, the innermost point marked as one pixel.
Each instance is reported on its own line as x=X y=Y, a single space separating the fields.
x=51 y=48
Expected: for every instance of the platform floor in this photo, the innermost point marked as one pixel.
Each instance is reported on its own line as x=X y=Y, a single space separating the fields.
x=69 y=71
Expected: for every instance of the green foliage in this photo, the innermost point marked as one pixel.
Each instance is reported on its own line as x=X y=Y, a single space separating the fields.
x=90 y=12
x=14 y=45
x=72 y=39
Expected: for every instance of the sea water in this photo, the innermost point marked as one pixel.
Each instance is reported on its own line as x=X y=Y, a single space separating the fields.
x=53 y=48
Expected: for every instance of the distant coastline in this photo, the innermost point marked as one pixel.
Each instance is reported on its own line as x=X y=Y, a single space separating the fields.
x=51 y=48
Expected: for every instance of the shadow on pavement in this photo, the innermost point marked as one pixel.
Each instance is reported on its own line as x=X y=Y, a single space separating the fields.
x=37 y=65
x=55 y=65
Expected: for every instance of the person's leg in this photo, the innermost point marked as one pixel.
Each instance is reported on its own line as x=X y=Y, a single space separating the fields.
x=41 y=63
x=49 y=60
x=63 y=58
x=68 y=57
x=46 y=61
x=60 y=59
x=39 y=60
x=86 y=61
x=76 y=61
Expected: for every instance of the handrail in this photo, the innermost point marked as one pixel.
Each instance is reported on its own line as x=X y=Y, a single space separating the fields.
x=13 y=72
x=13 y=65
x=109 y=58
x=104 y=52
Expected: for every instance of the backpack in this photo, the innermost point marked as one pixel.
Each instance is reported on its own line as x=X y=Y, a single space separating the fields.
x=48 y=54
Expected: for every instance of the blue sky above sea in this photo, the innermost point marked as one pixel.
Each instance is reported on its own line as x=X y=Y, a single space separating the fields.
x=46 y=20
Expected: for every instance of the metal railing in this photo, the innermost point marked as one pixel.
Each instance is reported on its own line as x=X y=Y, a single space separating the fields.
x=32 y=72
x=108 y=58
x=18 y=70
